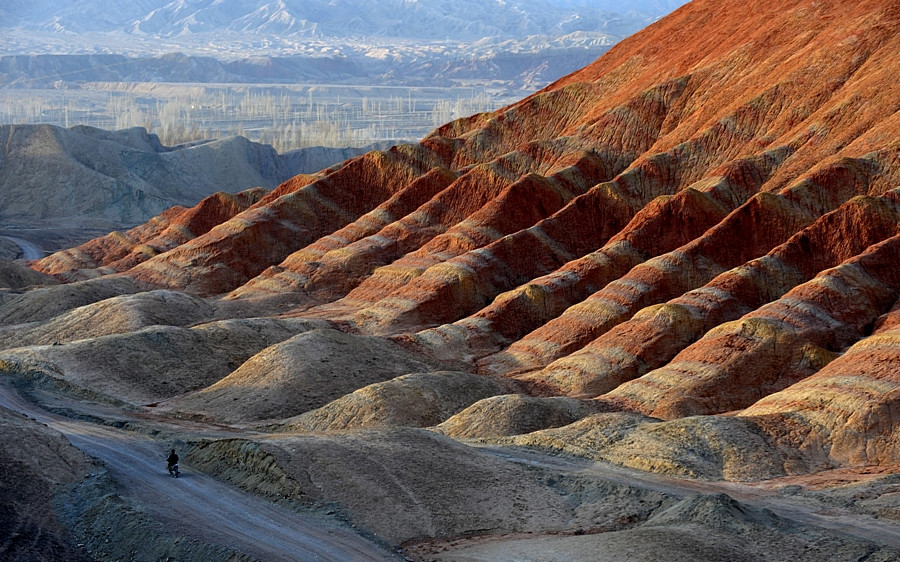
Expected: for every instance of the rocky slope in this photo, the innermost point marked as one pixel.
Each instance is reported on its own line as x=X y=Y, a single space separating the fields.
x=15 y=276
x=84 y=177
x=31 y=528
x=680 y=259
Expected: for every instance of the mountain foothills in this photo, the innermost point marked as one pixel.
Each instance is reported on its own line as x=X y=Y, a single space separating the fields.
x=88 y=178
x=679 y=261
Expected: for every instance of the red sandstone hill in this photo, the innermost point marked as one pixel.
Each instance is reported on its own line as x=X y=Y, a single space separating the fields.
x=704 y=221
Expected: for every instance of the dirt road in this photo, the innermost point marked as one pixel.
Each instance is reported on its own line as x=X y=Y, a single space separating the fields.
x=30 y=251
x=833 y=519
x=218 y=514
x=201 y=506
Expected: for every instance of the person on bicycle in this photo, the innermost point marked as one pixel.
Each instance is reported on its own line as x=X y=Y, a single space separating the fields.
x=173 y=460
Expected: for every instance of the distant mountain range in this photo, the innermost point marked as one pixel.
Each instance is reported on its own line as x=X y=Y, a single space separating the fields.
x=519 y=44
x=466 y=20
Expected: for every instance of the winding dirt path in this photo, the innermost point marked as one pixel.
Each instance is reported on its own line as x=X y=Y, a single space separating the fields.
x=761 y=496
x=201 y=506
x=30 y=251
x=217 y=513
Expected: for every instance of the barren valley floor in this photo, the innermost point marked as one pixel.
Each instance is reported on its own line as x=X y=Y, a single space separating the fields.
x=204 y=512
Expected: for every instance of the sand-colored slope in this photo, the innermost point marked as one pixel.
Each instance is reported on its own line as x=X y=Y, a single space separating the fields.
x=414 y=400
x=705 y=527
x=115 y=315
x=706 y=447
x=44 y=303
x=16 y=276
x=153 y=363
x=300 y=374
x=515 y=414
x=410 y=484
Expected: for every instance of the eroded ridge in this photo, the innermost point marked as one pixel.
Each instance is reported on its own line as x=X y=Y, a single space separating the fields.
x=695 y=233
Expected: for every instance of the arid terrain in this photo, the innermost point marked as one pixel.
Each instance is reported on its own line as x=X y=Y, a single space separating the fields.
x=650 y=312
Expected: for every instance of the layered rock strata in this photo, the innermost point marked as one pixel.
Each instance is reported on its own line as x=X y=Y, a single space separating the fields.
x=695 y=233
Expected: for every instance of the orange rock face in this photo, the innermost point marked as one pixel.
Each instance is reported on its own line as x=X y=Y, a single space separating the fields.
x=703 y=221
x=120 y=251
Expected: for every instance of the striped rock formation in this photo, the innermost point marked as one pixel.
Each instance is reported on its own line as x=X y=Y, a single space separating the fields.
x=698 y=229
x=120 y=251
x=847 y=411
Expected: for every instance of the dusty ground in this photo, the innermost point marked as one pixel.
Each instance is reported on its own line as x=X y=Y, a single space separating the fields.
x=414 y=491
x=29 y=526
x=123 y=505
